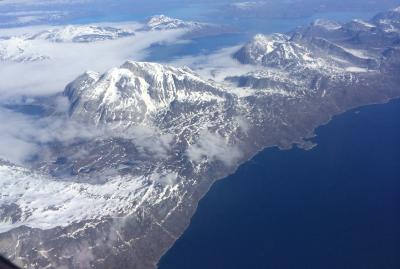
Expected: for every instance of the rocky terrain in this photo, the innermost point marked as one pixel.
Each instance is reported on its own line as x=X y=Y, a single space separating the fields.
x=154 y=138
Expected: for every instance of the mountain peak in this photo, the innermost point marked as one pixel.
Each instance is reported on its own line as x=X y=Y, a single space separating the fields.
x=274 y=50
x=133 y=92
x=163 y=22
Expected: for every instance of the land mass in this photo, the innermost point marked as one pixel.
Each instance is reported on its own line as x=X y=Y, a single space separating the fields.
x=152 y=140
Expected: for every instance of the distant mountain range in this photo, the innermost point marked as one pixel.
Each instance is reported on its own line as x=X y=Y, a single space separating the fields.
x=23 y=48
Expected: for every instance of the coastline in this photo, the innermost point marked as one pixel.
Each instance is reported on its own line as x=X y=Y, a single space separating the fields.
x=313 y=135
x=355 y=110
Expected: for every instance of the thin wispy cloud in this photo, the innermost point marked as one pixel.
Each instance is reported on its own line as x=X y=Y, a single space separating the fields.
x=216 y=66
x=213 y=147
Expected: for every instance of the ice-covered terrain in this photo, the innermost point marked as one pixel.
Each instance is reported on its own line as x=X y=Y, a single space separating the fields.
x=23 y=47
x=193 y=29
x=157 y=137
x=162 y=22
x=83 y=33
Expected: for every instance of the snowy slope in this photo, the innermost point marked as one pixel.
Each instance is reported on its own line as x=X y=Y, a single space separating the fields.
x=50 y=203
x=82 y=33
x=134 y=92
x=162 y=22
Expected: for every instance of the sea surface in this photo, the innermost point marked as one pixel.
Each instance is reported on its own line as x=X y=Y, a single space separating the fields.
x=335 y=206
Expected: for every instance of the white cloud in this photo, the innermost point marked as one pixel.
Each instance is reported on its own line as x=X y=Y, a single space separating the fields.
x=165 y=177
x=23 y=136
x=20 y=134
x=216 y=66
x=68 y=60
x=149 y=141
x=213 y=147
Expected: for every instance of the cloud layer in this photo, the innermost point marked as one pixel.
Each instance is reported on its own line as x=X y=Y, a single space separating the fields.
x=68 y=60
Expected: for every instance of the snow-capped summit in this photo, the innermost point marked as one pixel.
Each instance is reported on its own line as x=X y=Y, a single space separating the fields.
x=82 y=33
x=277 y=50
x=254 y=51
x=162 y=22
x=134 y=92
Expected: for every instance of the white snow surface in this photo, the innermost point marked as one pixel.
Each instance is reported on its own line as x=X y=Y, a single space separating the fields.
x=46 y=203
x=135 y=90
x=162 y=22
x=82 y=33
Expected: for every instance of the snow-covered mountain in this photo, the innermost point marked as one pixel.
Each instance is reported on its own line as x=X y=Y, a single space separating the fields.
x=192 y=29
x=274 y=51
x=162 y=22
x=159 y=129
x=27 y=47
x=325 y=50
x=135 y=92
x=306 y=51
x=34 y=45
x=82 y=33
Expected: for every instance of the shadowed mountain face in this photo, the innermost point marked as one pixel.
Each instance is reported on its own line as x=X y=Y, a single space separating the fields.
x=152 y=139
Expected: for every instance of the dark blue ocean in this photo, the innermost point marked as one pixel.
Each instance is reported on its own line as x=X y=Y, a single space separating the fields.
x=336 y=206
